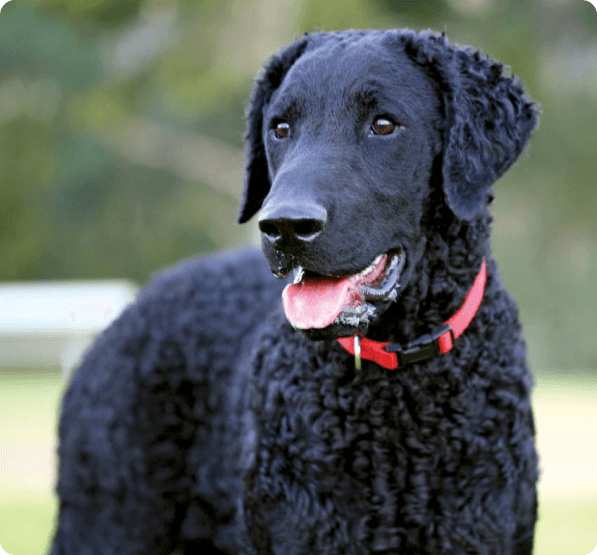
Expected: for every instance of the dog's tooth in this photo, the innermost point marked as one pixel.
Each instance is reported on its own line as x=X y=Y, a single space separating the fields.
x=370 y=268
x=298 y=274
x=358 y=311
x=390 y=283
x=367 y=270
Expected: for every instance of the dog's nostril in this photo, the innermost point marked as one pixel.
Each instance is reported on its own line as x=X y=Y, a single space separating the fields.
x=270 y=230
x=306 y=229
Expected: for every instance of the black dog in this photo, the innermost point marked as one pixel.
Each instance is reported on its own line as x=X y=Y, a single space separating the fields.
x=202 y=421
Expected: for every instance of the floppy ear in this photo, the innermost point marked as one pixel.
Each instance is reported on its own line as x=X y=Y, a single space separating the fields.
x=488 y=119
x=257 y=183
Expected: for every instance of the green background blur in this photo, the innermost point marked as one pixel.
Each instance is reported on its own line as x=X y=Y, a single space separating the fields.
x=121 y=126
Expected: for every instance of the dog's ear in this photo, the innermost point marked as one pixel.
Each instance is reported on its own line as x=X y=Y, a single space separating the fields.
x=488 y=123
x=488 y=119
x=257 y=183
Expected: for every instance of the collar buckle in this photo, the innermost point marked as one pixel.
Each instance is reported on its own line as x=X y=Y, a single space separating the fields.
x=424 y=347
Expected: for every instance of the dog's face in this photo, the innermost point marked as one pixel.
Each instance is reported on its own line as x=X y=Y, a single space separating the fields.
x=350 y=137
x=347 y=135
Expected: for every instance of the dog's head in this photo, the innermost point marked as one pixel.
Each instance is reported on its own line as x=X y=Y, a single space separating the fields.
x=348 y=134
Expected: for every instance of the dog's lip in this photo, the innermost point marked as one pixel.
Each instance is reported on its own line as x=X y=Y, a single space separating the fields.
x=392 y=273
x=387 y=290
x=299 y=272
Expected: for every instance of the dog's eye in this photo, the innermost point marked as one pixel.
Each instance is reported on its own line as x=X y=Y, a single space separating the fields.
x=383 y=126
x=282 y=130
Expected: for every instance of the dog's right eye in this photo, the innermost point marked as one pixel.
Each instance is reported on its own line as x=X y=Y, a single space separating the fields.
x=282 y=130
x=383 y=126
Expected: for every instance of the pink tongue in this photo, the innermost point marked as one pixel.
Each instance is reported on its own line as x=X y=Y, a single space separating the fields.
x=317 y=302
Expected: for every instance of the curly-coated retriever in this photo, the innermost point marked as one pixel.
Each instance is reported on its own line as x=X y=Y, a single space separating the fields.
x=377 y=400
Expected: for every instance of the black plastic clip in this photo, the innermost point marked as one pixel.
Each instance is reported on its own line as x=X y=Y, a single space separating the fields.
x=422 y=348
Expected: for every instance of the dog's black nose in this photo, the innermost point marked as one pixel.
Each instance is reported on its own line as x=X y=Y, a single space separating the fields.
x=292 y=223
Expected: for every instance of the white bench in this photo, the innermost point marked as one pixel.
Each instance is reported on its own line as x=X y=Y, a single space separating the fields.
x=52 y=323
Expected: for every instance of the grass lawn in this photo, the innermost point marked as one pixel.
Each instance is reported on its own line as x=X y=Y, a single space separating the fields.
x=29 y=402
x=566 y=414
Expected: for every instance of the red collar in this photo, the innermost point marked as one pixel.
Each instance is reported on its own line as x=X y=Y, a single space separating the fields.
x=440 y=341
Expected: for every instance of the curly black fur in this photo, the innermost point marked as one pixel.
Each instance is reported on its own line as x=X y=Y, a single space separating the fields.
x=202 y=422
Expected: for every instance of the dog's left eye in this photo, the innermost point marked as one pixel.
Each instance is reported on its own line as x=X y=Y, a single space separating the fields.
x=383 y=126
x=282 y=130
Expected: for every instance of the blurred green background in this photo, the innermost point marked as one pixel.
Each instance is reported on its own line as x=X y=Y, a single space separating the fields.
x=121 y=126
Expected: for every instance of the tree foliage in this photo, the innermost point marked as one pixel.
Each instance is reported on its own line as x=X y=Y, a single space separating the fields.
x=121 y=127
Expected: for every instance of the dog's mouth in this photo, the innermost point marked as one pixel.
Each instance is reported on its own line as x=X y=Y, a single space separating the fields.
x=315 y=301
